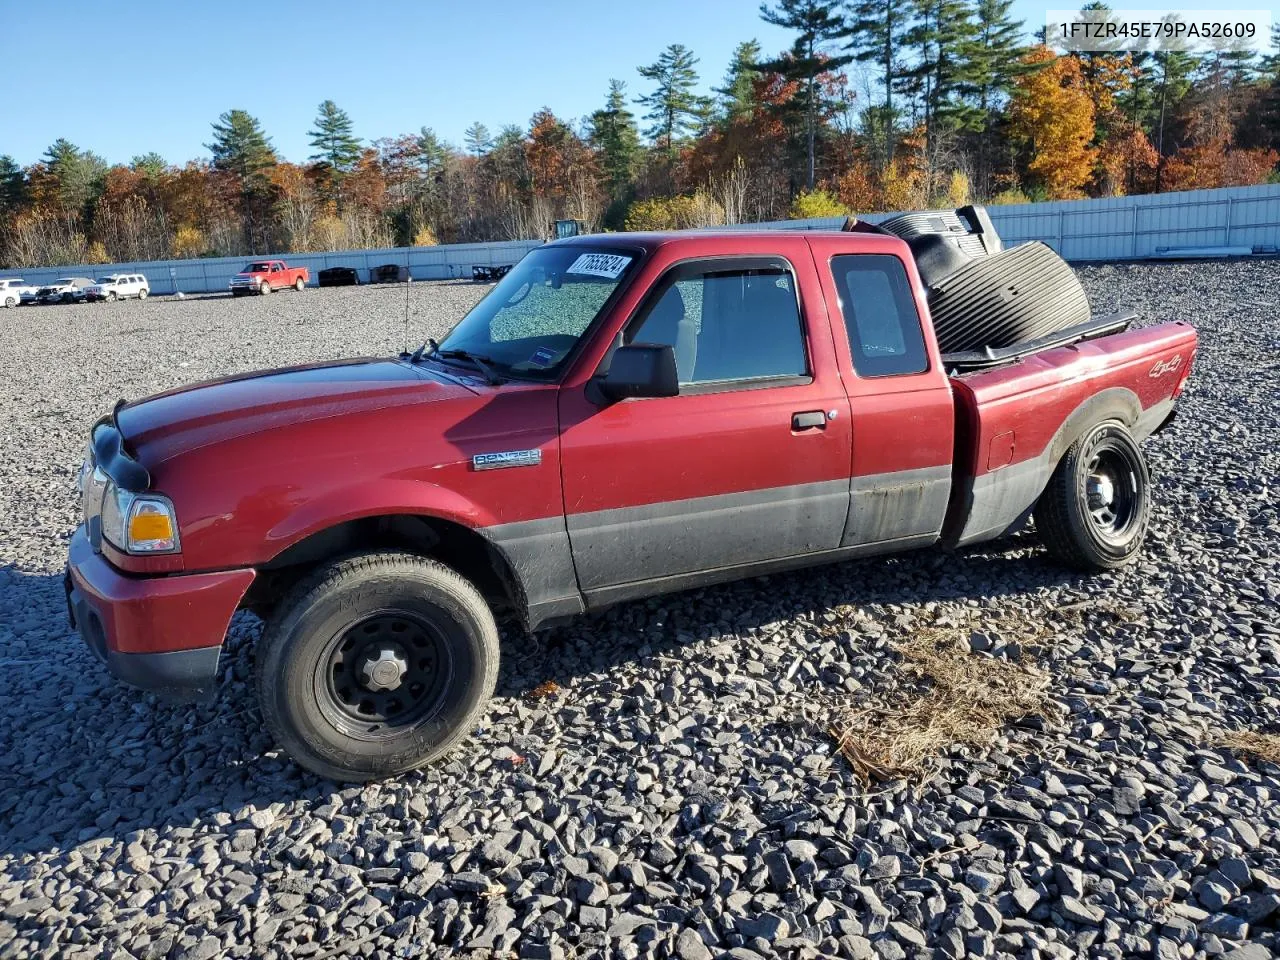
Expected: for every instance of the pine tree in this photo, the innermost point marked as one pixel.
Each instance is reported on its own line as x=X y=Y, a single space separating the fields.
x=337 y=148
x=477 y=139
x=13 y=184
x=612 y=132
x=1172 y=69
x=674 y=108
x=876 y=30
x=77 y=174
x=432 y=154
x=151 y=164
x=818 y=24
x=996 y=60
x=241 y=147
x=943 y=35
x=738 y=94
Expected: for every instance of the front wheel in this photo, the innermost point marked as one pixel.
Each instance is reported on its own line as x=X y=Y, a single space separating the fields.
x=1094 y=513
x=111 y=295
x=376 y=665
x=10 y=302
x=264 y=288
x=298 y=284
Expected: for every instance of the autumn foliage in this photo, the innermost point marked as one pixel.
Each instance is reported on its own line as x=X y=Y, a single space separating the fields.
x=964 y=111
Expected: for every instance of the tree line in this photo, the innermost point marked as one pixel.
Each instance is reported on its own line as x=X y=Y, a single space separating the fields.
x=876 y=105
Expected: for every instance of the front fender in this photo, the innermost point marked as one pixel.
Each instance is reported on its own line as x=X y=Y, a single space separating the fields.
x=536 y=551
x=378 y=498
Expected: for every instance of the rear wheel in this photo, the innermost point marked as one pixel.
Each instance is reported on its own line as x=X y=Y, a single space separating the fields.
x=143 y=293
x=298 y=284
x=10 y=302
x=1094 y=513
x=376 y=665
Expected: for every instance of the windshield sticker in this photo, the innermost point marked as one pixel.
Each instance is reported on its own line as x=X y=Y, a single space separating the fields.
x=607 y=265
x=543 y=357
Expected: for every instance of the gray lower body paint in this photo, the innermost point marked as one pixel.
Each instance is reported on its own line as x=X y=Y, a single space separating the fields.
x=1000 y=500
x=884 y=507
x=658 y=540
x=538 y=551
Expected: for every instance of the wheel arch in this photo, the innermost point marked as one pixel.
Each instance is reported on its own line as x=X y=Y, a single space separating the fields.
x=999 y=501
x=459 y=546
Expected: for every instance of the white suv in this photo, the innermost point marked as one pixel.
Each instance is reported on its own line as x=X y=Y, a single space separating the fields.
x=14 y=291
x=119 y=286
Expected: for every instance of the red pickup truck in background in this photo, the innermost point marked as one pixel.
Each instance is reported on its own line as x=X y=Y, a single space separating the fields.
x=621 y=416
x=266 y=276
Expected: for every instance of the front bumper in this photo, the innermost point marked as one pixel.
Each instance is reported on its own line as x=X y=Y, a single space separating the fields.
x=162 y=634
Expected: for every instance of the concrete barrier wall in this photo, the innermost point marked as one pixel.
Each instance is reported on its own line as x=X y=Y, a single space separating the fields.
x=1116 y=228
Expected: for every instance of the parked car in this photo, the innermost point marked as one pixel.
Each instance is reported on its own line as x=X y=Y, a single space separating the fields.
x=64 y=290
x=338 y=277
x=15 y=291
x=119 y=286
x=618 y=418
x=267 y=276
x=389 y=273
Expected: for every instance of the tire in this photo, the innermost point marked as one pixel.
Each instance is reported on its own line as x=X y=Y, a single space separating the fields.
x=111 y=295
x=264 y=288
x=299 y=284
x=68 y=298
x=317 y=654
x=1005 y=299
x=10 y=302
x=1094 y=513
x=144 y=293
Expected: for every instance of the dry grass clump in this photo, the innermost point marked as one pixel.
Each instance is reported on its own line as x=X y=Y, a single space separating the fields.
x=1262 y=746
x=962 y=699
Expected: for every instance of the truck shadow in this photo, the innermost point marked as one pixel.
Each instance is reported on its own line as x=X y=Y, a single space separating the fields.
x=89 y=760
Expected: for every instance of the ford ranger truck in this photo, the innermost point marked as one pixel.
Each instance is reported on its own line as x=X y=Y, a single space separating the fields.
x=267 y=276
x=619 y=417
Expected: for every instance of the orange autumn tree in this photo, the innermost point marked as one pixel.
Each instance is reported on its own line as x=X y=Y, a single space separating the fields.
x=1052 y=114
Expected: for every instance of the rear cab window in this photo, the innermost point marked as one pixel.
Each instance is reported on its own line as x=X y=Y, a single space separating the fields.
x=880 y=316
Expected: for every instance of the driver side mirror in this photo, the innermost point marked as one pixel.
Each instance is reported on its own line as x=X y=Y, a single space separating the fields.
x=640 y=370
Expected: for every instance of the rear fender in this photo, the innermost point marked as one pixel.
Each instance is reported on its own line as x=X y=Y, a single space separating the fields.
x=996 y=502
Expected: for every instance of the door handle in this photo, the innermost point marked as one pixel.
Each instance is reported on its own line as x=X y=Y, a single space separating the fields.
x=808 y=419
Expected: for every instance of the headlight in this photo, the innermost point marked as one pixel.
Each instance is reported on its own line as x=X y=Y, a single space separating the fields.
x=139 y=522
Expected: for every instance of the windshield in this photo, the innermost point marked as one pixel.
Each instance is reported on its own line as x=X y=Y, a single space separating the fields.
x=531 y=321
x=262 y=267
x=105 y=280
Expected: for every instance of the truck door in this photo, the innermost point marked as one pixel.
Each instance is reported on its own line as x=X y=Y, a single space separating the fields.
x=748 y=463
x=901 y=407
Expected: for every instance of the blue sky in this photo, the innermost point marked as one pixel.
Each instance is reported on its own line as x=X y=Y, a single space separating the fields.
x=157 y=74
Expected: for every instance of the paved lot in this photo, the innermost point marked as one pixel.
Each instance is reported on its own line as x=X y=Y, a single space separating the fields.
x=678 y=795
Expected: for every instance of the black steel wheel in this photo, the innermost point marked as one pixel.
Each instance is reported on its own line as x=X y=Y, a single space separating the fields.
x=384 y=673
x=1093 y=515
x=375 y=665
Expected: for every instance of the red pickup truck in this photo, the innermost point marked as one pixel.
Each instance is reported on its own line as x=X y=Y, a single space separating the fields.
x=267 y=276
x=619 y=417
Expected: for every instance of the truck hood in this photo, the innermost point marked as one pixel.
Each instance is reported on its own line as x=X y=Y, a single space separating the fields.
x=168 y=424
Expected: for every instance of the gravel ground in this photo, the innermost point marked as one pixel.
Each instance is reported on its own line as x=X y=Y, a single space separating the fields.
x=675 y=796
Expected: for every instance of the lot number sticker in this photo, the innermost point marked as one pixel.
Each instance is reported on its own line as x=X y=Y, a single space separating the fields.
x=607 y=265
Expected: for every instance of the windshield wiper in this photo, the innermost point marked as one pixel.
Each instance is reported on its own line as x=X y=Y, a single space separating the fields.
x=417 y=354
x=480 y=362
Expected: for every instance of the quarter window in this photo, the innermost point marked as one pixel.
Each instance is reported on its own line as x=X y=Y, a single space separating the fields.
x=727 y=323
x=880 y=315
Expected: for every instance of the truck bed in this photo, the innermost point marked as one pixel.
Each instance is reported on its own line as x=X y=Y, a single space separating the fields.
x=1014 y=422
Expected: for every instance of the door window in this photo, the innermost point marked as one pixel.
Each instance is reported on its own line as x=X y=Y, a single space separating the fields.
x=727 y=324
x=880 y=315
